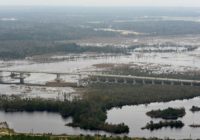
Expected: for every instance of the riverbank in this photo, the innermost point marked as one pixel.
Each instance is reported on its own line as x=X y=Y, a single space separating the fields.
x=64 y=137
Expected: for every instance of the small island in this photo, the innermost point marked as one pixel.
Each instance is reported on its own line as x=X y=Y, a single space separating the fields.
x=112 y=128
x=195 y=125
x=195 y=109
x=169 y=113
x=172 y=124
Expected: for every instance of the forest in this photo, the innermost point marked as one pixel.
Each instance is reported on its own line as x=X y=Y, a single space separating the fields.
x=81 y=137
x=23 y=51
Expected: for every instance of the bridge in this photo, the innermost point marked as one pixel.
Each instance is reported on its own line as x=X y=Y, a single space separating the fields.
x=21 y=75
x=103 y=78
x=124 y=79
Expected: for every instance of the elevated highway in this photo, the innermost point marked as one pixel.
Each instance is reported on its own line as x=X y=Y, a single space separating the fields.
x=105 y=78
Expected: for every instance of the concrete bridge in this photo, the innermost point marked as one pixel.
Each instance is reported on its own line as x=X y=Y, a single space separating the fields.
x=103 y=78
x=22 y=75
x=124 y=79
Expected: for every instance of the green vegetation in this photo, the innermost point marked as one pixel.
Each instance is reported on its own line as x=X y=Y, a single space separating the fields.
x=13 y=52
x=172 y=124
x=169 y=113
x=26 y=137
x=41 y=30
x=50 y=137
x=195 y=109
x=195 y=125
x=90 y=112
x=112 y=95
x=86 y=114
x=128 y=69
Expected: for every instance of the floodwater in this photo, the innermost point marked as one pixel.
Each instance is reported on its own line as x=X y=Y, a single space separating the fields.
x=165 y=62
x=23 y=91
x=135 y=117
x=40 y=122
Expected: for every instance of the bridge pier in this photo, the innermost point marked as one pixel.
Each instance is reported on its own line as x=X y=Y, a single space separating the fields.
x=153 y=82
x=182 y=84
x=172 y=83
x=107 y=80
x=97 y=79
x=58 y=79
x=125 y=81
x=79 y=82
x=134 y=81
x=191 y=84
x=21 y=78
x=143 y=82
x=162 y=83
x=79 y=76
x=1 y=76
x=116 y=81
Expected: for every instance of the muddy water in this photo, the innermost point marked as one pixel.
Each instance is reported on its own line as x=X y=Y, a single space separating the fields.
x=135 y=117
x=171 y=61
x=40 y=122
x=23 y=91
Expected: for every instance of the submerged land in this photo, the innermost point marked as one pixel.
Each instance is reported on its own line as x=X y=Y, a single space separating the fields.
x=90 y=111
x=45 y=54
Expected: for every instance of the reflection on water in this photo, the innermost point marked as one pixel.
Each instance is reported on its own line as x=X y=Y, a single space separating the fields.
x=40 y=122
x=135 y=118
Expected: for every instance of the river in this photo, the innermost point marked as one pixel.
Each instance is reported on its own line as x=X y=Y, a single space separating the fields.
x=133 y=116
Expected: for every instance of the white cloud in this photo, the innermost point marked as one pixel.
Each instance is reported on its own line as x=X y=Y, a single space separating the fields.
x=185 y=3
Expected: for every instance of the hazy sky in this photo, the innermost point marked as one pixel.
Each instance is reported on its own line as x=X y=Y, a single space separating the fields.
x=179 y=3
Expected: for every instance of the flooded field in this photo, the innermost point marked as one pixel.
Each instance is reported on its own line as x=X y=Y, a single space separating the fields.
x=23 y=91
x=133 y=116
x=166 y=62
x=83 y=62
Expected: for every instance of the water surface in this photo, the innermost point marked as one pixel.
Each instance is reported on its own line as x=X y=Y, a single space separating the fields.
x=135 y=117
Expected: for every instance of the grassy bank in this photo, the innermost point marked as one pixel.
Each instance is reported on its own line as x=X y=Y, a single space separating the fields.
x=111 y=95
x=50 y=137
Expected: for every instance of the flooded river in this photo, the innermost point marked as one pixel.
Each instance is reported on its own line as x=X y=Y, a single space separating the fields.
x=40 y=122
x=160 y=62
x=133 y=116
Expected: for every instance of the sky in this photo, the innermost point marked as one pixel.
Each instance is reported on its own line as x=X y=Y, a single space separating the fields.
x=141 y=3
